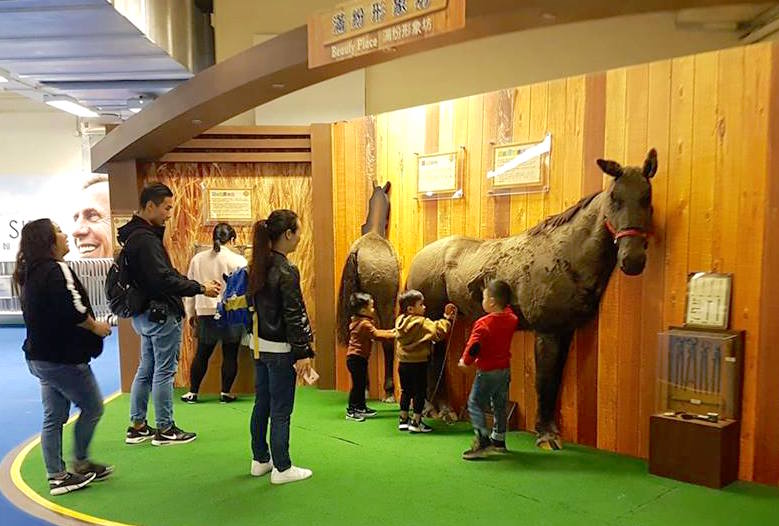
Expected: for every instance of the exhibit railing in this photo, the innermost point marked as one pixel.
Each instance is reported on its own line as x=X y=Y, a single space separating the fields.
x=91 y=272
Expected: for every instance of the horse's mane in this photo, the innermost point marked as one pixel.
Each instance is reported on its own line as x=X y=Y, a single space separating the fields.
x=552 y=222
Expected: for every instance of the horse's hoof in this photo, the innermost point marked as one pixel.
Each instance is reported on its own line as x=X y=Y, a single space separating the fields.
x=544 y=444
x=549 y=443
x=449 y=418
x=389 y=399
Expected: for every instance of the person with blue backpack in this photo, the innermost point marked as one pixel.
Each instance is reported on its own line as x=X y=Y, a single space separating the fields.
x=215 y=264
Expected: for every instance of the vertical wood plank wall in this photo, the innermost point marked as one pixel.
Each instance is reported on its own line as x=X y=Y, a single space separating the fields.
x=715 y=208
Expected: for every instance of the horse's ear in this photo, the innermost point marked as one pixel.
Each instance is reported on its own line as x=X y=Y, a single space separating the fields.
x=613 y=168
x=387 y=187
x=650 y=165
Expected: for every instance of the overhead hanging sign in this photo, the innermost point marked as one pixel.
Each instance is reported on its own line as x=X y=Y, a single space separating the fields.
x=360 y=27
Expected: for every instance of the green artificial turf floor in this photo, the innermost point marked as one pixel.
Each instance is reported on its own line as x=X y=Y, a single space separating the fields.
x=371 y=474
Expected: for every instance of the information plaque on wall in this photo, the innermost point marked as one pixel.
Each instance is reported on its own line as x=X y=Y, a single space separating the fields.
x=520 y=167
x=229 y=205
x=708 y=300
x=438 y=175
x=118 y=220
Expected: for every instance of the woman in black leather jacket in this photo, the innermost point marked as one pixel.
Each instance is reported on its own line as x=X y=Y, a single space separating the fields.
x=284 y=340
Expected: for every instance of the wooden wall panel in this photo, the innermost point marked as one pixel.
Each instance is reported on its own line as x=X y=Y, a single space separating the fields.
x=586 y=338
x=630 y=289
x=490 y=137
x=680 y=170
x=608 y=340
x=273 y=186
x=323 y=233
x=751 y=221
x=343 y=236
x=766 y=468
x=653 y=307
x=704 y=154
x=571 y=177
x=536 y=210
x=521 y=347
x=708 y=118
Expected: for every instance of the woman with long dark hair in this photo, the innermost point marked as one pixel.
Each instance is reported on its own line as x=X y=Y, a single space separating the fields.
x=281 y=345
x=213 y=265
x=62 y=337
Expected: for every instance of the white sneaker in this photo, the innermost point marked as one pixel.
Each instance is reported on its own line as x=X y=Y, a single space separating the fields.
x=293 y=474
x=261 y=468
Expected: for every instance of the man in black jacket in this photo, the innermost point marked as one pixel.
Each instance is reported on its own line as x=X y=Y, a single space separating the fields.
x=159 y=326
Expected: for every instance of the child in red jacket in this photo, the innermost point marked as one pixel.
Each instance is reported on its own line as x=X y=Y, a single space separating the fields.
x=489 y=348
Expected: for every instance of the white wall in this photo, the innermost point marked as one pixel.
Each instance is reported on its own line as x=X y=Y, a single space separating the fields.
x=526 y=57
x=241 y=24
x=41 y=172
x=338 y=99
x=341 y=98
x=40 y=143
x=484 y=65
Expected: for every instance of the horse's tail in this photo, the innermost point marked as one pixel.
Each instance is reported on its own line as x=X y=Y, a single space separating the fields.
x=350 y=283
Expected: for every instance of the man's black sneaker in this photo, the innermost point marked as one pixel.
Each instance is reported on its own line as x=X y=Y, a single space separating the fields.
x=189 y=398
x=498 y=446
x=69 y=482
x=85 y=467
x=479 y=449
x=172 y=436
x=367 y=412
x=419 y=427
x=353 y=414
x=403 y=425
x=137 y=436
x=226 y=398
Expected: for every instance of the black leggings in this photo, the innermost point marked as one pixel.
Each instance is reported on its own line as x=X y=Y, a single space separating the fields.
x=413 y=385
x=358 y=369
x=209 y=334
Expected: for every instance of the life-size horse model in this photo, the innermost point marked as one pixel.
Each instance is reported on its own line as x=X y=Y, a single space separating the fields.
x=372 y=266
x=558 y=271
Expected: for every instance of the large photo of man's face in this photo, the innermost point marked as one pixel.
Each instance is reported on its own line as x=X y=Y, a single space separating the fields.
x=92 y=220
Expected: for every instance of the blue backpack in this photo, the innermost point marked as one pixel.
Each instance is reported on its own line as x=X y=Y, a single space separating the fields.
x=235 y=307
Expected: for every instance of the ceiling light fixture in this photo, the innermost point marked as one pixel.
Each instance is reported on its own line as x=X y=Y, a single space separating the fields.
x=136 y=104
x=71 y=106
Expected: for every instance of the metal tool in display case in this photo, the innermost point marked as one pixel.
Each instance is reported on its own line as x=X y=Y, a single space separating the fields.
x=701 y=371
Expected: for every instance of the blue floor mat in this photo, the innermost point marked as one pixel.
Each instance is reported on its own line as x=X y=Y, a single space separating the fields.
x=20 y=405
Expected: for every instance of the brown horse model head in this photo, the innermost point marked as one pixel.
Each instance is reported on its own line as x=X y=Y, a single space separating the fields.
x=629 y=210
x=378 y=211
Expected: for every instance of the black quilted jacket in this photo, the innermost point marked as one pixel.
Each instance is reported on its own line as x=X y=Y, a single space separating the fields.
x=281 y=311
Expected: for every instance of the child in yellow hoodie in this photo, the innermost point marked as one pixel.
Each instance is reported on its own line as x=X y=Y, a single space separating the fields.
x=416 y=336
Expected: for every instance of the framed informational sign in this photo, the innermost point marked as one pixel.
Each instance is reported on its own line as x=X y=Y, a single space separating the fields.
x=708 y=300
x=438 y=175
x=230 y=205
x=520 y=167
x=118 y=220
